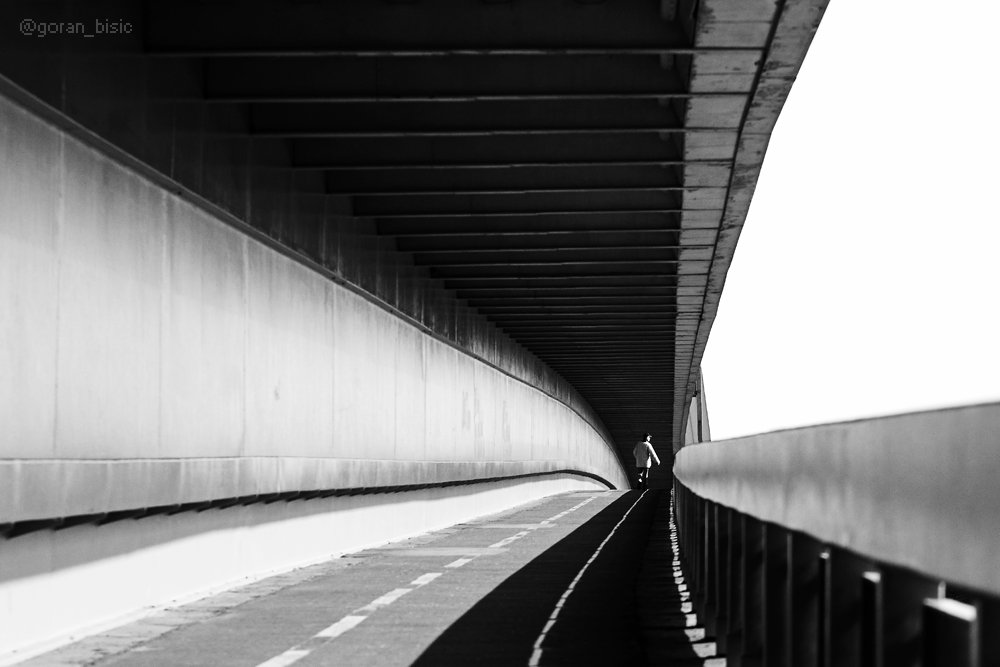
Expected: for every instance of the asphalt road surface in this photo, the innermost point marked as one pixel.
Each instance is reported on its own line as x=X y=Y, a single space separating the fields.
x=574 y=579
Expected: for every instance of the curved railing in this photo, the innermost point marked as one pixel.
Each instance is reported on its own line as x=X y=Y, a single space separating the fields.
x=873 y=542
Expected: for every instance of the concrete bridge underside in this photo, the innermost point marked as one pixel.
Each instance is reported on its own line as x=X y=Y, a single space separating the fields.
x=254 y=253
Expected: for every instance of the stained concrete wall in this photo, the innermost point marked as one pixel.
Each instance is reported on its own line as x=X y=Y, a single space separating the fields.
x=150 y=114
x=154 y=353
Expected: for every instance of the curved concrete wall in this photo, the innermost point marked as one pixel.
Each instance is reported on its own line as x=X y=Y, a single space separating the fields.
x=155 y=354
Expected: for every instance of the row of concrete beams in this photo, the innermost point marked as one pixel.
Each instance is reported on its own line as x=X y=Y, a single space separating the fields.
x=564 y=167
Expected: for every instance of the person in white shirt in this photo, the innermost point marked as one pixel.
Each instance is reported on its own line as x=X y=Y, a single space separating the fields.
x=644 y=456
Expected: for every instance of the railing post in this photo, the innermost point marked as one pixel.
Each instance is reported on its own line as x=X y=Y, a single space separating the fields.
x=825 y=630
x=697 y=558
x=709 y=583
x=871 y=619
x=723 y=550
x=753 y=610
x=950 y=634
x=777 y=603
x=737 y=587
x=806 y=592
x=903 y=594
x=845 y=609
x=988 y=615
x=987 y=621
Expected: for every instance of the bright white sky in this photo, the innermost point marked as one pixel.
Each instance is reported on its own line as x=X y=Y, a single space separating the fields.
x=867 y=277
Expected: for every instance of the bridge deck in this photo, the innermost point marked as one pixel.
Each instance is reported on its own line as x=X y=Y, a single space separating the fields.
x=578 y=578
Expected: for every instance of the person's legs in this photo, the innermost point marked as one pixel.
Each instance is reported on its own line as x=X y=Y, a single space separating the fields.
x=643 y=472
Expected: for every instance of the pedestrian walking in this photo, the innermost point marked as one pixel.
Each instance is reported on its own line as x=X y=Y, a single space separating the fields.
x=644 y=457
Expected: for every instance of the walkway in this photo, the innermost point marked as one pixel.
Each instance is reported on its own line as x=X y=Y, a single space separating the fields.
x=550 y=583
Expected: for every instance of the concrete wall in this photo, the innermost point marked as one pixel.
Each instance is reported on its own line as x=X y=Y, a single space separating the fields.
x=918 y=490
x=136 y=326
x=153 y=355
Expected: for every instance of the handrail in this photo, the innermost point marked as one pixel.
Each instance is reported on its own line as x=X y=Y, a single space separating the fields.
x=917 y=490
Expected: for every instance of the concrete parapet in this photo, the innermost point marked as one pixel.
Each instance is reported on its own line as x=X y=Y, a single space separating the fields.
x=918 y=491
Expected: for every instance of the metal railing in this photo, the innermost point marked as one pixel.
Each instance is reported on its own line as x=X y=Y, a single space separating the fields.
x=868 y=543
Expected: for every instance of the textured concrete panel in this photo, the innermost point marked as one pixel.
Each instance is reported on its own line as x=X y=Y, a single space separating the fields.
x=204 y=336
x=188 y=362
x=290 y=343
x=381 y=427
x=410 y=428
x=442 y=417
x=110 y=286
x=29 y=233
x=355 y=392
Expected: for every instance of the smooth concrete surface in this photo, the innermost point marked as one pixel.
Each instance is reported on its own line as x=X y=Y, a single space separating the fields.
x=56 y=586
x=139 y=329
x=917 y=490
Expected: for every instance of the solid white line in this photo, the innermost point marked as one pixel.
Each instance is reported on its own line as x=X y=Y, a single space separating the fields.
x=425 y=579
x=341 y=626
x=286 y=658
x=536 y=655
x=459 y=563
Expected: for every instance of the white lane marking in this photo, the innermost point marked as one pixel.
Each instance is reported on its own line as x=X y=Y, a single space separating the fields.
x=571 y=509
x=507 y=540
x=341 y=626
x=286 y=658
x=385 y=600
x=536 y=655
x=348 y=622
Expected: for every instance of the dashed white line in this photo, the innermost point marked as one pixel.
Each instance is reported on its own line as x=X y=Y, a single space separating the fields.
x=571 y=509
x=385 y=600
x=286 y=658
x=353 y=620
x=348 y=622
x=536 y=655
x=507 y=540
x=341 y=626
